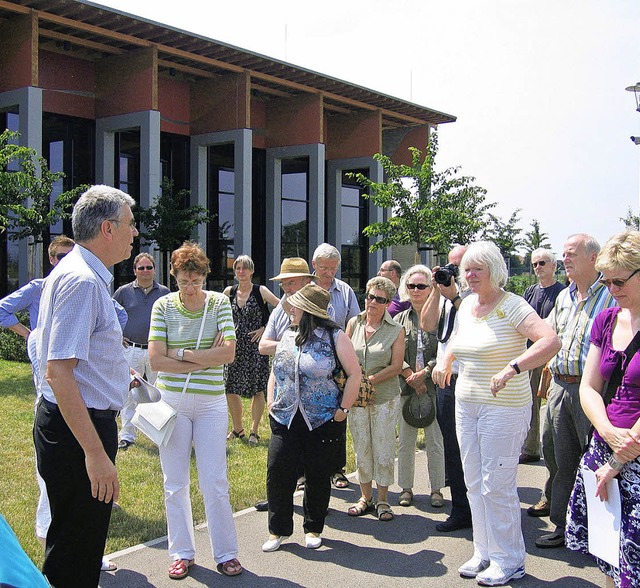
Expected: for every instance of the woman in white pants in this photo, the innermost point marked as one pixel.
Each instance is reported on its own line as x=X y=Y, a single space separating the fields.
x=493 y=407
x=199 y=399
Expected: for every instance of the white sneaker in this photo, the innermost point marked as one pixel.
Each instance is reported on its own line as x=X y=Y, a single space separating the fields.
x=494 y=575
x=274 y=542
x=473 y=567
x=312 y=540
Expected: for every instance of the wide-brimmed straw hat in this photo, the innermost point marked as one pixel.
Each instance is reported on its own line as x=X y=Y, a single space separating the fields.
x=293 y=267
x=312 y=299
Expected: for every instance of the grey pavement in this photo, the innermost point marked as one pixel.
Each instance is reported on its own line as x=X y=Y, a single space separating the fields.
x=360 y=550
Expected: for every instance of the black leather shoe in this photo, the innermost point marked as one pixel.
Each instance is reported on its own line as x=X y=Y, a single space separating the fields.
x=550 y=540
x=124 y=444
x=453 y=524
x=261 y=506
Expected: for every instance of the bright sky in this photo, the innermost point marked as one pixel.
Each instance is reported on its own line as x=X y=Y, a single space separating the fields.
x=538 y=86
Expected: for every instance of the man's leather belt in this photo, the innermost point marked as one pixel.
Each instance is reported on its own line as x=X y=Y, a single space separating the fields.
x=132 y=344
x=568 y=379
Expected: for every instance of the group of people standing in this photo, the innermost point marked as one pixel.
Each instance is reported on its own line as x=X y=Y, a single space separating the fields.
x=466 y=349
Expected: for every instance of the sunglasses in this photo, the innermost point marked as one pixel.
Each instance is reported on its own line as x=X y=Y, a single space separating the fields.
x=59 y=256
x=617 y=282
x=378 y=299
x=144 y=267
x=418 y=286
x=540 y=263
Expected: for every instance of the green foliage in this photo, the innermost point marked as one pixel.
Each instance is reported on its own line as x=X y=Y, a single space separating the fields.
x=505 y=235
x=535 y=239
x=631 y=221
x=437 y=210
x=26 y=186
x=518 y=284
x=12 y=346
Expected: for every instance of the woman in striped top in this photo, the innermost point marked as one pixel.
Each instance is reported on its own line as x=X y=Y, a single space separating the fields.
x=493 y=407
x=201 y=405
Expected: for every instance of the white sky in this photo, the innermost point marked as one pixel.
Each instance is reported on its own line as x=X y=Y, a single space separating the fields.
x=538 y=86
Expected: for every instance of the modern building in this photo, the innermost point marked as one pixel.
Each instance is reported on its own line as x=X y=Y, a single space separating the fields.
x=266 y=146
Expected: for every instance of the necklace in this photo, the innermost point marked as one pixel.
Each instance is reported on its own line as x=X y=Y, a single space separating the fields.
x=370 y=329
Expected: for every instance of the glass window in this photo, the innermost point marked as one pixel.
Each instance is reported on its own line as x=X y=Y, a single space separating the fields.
x=221 y=204
x=295 y=208
x=354 y=246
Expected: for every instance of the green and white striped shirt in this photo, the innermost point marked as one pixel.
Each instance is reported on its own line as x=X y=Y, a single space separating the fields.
x=486 y=345
x=178 y=327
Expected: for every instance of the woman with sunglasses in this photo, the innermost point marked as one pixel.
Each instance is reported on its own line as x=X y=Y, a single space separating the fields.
x=420 y=358
x=189 y=356
x=379 y=344
x=612 y=367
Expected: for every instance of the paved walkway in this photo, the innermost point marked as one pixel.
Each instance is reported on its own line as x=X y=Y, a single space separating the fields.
x=407 y=551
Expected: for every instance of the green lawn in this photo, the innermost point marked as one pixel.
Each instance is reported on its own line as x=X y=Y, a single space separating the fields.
x=142 y=515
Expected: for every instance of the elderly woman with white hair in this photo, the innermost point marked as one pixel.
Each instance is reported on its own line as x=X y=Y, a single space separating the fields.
x=493 y=407
x=419 y=359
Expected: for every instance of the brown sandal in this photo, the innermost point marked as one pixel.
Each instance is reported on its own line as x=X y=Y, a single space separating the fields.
x=233 y=434
x=230 y=567
x=363 y=506
x=180 y=568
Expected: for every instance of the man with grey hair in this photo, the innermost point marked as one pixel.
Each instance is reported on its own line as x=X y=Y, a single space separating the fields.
x=343 y=305
x=393 y=270
x=566 y=427
x=83 y=382
x=542 y=297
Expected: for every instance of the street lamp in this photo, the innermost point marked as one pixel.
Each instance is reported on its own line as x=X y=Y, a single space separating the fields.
x=636 y=92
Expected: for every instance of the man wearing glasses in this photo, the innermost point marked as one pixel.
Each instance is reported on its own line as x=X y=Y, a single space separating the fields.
x=83 y=382
x=566 y=427
x=137 y=298
x=28 y=297
x=392 y=270
x=542 y=297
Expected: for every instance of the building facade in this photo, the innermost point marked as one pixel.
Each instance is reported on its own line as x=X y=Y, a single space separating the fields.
x=266 y=146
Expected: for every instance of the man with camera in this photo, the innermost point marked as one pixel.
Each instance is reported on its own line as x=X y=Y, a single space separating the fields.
x=439 y=313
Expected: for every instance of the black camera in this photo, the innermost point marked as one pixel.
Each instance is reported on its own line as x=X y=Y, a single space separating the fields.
x=445 y=274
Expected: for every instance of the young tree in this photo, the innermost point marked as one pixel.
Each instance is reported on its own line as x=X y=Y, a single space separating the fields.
x=170 y=221
x=435 y=211
x=506 y=235
x=26 y=185
x=535 y=239
x=631 y=221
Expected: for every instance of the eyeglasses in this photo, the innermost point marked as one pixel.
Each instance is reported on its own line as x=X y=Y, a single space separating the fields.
x=144 y=267
x=617 y=282
x=131 y=223
x=418 y=286
x=182 y=284
x=540 y=263
x=59 y=256
x=378 y=299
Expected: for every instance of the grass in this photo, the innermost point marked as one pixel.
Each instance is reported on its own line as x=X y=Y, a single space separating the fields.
x=142 y=516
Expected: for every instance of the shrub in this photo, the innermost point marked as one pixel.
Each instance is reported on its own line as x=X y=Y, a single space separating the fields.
x=12 y=346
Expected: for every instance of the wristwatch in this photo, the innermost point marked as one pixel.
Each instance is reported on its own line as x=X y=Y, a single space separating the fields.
x=343 y=409
x=515 y=366
x=615 y=464
x=180 y=354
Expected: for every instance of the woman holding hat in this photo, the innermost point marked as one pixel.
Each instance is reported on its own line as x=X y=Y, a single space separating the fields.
x=305 y=407
x=379 y=344
x=420 y=358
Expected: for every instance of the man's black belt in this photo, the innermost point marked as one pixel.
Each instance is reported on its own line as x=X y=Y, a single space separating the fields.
x=95 y=413
x=132 y=344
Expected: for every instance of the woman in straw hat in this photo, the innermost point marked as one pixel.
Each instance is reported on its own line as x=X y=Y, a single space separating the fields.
x=305 y=407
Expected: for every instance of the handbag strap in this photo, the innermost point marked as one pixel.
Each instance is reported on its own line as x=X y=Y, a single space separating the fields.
x=618 y=373
x=204 y=319
x=333 y=348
